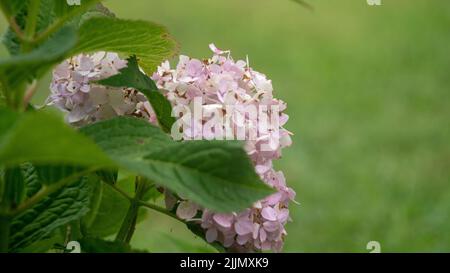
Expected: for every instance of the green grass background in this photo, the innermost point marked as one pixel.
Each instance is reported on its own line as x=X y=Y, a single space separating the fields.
x=368 y=94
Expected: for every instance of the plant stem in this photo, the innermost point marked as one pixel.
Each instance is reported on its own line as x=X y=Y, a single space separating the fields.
x=33 y=13
x=30 y=27
x=148 y=205
x=29 y=93
x=119 y=190
x=161 y=210
x=5 y=222
x=129 y=223
x=127 y=228
x=16 y=28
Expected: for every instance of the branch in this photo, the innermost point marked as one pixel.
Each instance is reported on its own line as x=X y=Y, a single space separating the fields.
x=119 y=190
x=29 y=93
x=193 y=228
x=33 y=13
x=16 y=28
x=129 y=222
x=162 y=210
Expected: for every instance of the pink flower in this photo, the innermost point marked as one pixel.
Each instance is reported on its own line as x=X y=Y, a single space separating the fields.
x=187 y=210
x=72 y=90
x=220 y=81
x=223 y=220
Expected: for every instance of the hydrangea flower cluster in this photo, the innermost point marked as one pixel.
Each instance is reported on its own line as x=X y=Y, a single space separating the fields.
x=221 y=81
x=73 y=90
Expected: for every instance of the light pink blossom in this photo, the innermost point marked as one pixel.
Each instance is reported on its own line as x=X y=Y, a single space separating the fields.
x=221 y=81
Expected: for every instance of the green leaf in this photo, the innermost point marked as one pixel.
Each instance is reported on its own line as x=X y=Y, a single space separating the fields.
x=163 y=110
x=64 y=10
x=19 y=69
x=111 y=209
x=45 y=17
x=32 y=183
x=52 y=13
x=108 y=176
x=42 y=138
x=215 y=174
x=12 y=7
x=94 y=204
x=126 y=138
x=110 y=213
x=45 y=244
x=62 y=154
x=14 y=187
x=152 y=193
x=52 y=174
x=150 y=42
x=67 y=204
x=131 y=76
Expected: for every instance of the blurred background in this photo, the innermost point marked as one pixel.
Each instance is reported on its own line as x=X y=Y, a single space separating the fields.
x=368 y=91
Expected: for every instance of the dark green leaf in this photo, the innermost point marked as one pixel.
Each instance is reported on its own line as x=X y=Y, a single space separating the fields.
x=12 y=7
x=52 y=174
x=94 y=204
x=152 y=193
x=215 y=174
x=31 y=179
x=67 y=204
x=131 y=76
x=108 y=176
x=19 y=69
x=62 y=9
x=46 y=243
x=51 y=12
x=126 y=137
x=45 y=17
x=98 y=10
x=111 y=211
x=14 y=187
x=163 y=110
x=42 y=138
x=150 y=42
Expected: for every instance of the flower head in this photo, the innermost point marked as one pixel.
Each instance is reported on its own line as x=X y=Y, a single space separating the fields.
x=73 y=90
x=220 y=82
